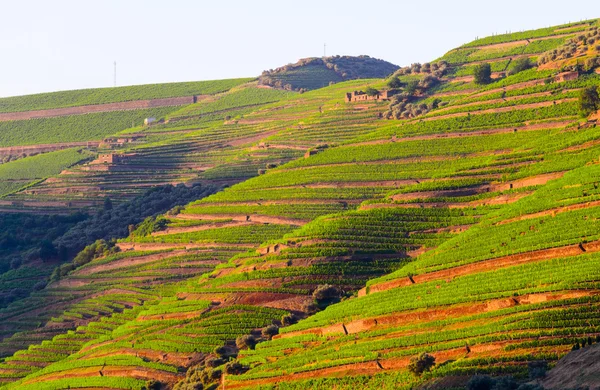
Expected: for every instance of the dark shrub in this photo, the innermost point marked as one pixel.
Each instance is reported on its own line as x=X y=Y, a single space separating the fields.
x=289 y=319
x=520 y=65
x=270 y=331
x=482 y=73
x=245 y=342
x=420 y=364
x=326 y=293
x=589 y=101
x=235 y=368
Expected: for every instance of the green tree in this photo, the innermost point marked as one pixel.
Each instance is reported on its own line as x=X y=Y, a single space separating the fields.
x=520 y=65
x=589 y=101
x=270 y=331
x=395 y=82
x=245 y=342
x=420 y=364
x=412 y=87
x=371 y=91
x=482 y=73
x=47 y=250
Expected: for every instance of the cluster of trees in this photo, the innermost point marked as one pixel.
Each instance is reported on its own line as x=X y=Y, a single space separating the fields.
x=581 y=43
x=98 y=249
x=436 y=69
x=28 y=237
x=400 y=109
x=403 y=105
x=117 y=222
x=25 y=238
x=150 y=225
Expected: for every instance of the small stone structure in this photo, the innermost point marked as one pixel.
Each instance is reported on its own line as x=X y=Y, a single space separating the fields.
x=149 y=121
x=111 y=158
x=361 y=96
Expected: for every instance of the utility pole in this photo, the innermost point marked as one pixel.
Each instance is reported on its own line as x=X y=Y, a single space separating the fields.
x=115 y=76
x=324 y=50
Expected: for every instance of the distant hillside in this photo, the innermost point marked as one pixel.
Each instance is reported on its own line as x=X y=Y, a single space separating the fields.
x=93 y=96
x=313 y=73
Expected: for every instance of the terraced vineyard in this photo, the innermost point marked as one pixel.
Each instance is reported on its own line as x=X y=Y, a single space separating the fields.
x=345 y=244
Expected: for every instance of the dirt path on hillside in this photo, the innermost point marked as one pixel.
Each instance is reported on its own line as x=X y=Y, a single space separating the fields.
x=499 y=59
x=438 y=313
x=278 y=146
x=370 y=368
x=551 y=212
x=43 y=148
x=105 y=107
x=137 y=246
x=468 y=79
x=499 y=100
x=480 y=189
x=285 y=202
x=496 y=200
x=501 y=109
x=489 y=265
x=243 y=218
x=127 y=262
x=112 y=371
x=523 y=85
x=399 y=160
x=504 y=45
x=191 y=229
x=252 y=138
x=460 y=134
x=454 y=93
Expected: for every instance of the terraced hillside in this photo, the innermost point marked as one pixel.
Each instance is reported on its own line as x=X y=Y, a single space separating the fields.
x=80 y=120
x=468 y=231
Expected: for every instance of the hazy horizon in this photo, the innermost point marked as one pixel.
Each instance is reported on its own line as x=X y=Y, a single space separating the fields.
x=67 y=44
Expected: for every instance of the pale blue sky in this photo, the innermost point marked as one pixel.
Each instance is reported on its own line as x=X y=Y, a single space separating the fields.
x=71 y=44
